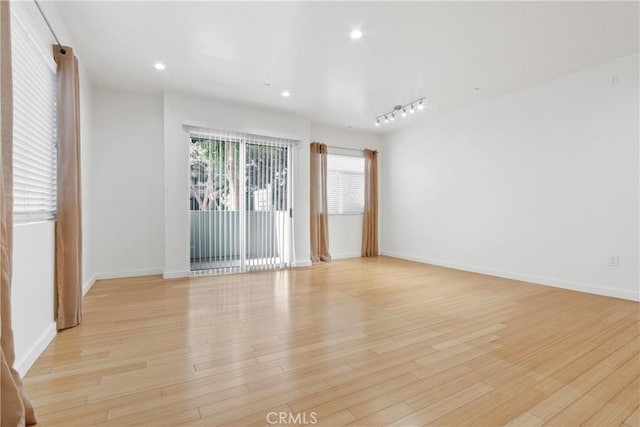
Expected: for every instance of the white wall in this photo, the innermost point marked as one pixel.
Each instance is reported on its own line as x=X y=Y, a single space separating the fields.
x=345 y=231
x=32 y=298
x=33 y=256
x=149 y=232
x=222 y=115
x=86 y=153
x=540 y=185
x=127 y=184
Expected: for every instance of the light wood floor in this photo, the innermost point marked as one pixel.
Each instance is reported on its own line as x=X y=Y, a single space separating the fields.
x=365 y=342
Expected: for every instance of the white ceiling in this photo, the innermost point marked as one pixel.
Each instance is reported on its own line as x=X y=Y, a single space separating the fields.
x=409 y=49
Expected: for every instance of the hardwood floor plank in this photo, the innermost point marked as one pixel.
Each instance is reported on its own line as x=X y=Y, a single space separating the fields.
x=364 y=384
x=633 y=420
x=442 y=407
x=384 y=416
x=610 y=386
x=620 y=407
x=493 y=401
x=577 y=412
x=404 y=393
x=509 y=409
x=376 y=341
x=525 y=420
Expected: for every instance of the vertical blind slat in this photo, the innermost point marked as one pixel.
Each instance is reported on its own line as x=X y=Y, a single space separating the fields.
x=242 y=226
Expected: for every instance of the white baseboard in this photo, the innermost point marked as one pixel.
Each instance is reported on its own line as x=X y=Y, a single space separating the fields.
x=88 y=284
x=130 y=273
x=175 y=274
x=116 y=275
x=556 y=283
x=25 y=363
x=345 y=256
x=301 y=263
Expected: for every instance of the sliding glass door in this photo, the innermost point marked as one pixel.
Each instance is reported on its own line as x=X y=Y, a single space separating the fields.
x=240 y=198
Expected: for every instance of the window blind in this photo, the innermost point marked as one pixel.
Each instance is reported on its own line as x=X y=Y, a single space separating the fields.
x=34 y=119
x=240 y=200
x=345 y=185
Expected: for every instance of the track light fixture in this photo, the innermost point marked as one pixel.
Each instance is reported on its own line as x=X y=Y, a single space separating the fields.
x=400 y=109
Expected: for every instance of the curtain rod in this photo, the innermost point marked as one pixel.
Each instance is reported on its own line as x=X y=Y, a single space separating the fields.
x=343 y=148
x=62 y=50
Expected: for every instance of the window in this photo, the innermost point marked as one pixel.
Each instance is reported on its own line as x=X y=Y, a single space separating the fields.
x=345 y=185
x=34 y=118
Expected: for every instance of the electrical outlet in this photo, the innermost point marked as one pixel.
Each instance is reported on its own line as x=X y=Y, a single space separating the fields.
x=614 y=261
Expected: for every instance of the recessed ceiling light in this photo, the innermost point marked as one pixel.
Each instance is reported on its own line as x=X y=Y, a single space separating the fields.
x=356 y=34
x=159 y=66
x=285 y=94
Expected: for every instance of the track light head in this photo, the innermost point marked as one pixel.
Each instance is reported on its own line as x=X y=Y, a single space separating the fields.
x=401 y=110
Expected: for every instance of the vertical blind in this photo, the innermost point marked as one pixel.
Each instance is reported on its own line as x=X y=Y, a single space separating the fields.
x=240 y=199
x=34 y=122
x=345 y=184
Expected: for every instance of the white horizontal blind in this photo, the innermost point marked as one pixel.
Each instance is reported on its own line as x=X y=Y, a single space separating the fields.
x=34 y=119
x=345 y=184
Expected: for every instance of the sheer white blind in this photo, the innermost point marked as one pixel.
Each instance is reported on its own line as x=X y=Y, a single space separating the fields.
x=345 y=184
x=34 y=119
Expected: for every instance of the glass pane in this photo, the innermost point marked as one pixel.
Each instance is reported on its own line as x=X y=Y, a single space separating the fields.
x=266 y=177
x=214 y=204
x=345 y=184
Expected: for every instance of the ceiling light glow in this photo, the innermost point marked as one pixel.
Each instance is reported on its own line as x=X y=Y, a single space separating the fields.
x=286 y=94
x=160 y=66
x=356 y=34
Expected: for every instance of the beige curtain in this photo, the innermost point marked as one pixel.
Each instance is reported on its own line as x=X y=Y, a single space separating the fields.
x=15 y=407
x=370 y=217
x=68 y=223
x=319 y=217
